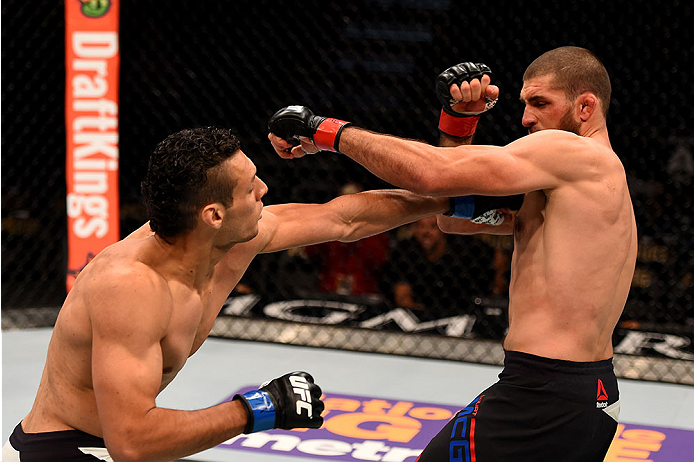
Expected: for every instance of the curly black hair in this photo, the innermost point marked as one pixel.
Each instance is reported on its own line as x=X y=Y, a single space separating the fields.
x=183 y=176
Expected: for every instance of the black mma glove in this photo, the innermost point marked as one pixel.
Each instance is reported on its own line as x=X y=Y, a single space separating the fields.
x=453 y=123
x=291 y=122
x=484 y=210
x=291 y=401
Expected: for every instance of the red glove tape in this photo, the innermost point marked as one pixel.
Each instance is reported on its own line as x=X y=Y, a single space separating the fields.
x=327 y=137
x=457 y=126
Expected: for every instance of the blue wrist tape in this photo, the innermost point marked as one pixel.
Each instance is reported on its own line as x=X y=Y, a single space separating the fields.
x=461 y=207
x=262 y=408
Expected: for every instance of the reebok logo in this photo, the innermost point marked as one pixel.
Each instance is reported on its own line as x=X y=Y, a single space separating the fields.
x=300 y=387
x=602 y=396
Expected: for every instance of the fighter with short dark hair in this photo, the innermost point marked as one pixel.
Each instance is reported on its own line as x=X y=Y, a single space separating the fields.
x=574 y=251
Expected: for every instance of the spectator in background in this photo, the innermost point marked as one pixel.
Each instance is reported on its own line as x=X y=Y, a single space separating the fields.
x=502 y=248
x=680 y=166
x=428 y=274
x=350 y=268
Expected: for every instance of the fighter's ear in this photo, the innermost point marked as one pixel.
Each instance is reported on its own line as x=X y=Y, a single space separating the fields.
x=213 y=214
x=588 y=104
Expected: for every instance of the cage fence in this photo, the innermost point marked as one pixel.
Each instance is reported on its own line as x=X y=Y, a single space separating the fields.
x=372 y=62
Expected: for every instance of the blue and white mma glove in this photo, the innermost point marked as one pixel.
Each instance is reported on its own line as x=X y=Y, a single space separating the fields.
x=483 y=210
x=290 y=401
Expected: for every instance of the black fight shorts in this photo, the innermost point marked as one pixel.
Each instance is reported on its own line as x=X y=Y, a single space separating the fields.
x=541 y=409
x=63 y=446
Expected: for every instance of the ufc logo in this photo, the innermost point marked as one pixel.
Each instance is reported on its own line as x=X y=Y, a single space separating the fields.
x=300 y=387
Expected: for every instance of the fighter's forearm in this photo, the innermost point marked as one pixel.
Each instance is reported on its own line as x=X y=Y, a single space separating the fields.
x=347 y=218
x=448 y=141
x=167 y=434
x=372 y=212
x=414 y=165
x=401 y=162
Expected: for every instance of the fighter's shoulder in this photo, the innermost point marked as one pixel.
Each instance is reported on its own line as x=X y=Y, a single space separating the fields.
x=565 y=147
x=119 y=267
x=565 y=141
x=592 y=152
x=124 y=294
x=552 y=139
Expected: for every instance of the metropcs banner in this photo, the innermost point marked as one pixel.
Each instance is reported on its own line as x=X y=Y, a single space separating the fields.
x=358 y=428
x=91 y=119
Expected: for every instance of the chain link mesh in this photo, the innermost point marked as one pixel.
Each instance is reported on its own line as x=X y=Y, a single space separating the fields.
x=232 y=64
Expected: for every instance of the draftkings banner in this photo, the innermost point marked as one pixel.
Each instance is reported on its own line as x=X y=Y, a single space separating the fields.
x=91 y=118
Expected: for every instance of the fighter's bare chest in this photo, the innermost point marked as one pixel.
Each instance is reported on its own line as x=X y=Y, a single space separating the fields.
x=189 y=325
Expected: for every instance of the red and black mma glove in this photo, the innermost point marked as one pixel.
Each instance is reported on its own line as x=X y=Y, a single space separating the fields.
x=453 y=123
x=291 y=122
x=290 y=401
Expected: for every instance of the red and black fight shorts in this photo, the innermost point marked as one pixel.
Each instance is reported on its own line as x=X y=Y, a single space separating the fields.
x=541 y=409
